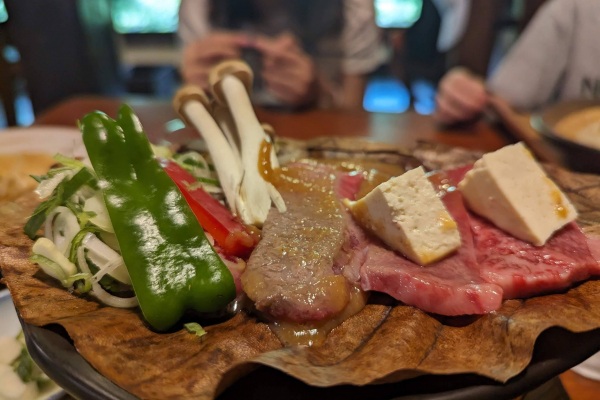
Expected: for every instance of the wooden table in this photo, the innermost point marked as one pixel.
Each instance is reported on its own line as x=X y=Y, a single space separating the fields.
x=403 y=129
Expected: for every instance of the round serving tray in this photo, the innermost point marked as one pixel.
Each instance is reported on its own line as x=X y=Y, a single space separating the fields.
x=555 y=351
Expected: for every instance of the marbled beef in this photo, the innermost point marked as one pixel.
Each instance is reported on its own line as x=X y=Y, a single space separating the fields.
x=524 y=270
x=451 y=286
x=310 y=256
x=289 y=276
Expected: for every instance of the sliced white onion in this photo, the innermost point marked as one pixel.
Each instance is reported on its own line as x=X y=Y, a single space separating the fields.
x=99 y=292
x=110 y=239
x=96 y=205
x=84 y=193
x=61 y=227
x=108 y=261
x=109 y=268
x=47 y=186
x=46 y=248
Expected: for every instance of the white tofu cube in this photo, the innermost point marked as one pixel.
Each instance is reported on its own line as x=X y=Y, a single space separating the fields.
x=406 y=213
x=509 y=188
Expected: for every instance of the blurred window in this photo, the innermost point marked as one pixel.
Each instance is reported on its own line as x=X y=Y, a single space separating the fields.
x=386 y=95
x=397 y=13
x=145 y=16
x=3 y=13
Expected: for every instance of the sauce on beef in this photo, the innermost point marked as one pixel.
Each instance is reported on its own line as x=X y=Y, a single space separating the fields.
x=373 y=173
x=314 y=334
x=289 y=276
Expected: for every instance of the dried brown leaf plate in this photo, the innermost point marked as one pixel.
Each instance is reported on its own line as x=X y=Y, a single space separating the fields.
x=387 y=350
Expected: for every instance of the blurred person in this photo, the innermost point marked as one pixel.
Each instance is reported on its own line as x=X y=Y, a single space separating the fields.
x=556 y=58
x=454 y=16
x=65 y=48
x=303 y=52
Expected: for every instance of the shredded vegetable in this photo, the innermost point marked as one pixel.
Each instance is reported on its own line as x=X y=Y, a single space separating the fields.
x=74 y=219
x=79 y=247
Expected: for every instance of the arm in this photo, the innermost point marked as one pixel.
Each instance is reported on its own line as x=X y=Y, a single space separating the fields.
x=531 y=72
x=201 y=55
x=353 y=89
x=193 y=20
x=461 y=96
x=528 y=76
x=288 y=72
x=202 y=46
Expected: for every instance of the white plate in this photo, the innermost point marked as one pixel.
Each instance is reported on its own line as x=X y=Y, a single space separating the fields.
x=10 y=325
x=42 y=139
x=39 y=139
x=45 y=140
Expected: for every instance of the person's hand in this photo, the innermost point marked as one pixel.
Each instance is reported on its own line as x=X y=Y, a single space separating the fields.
x=288 y=72
x=200 y=56
x=461 y=97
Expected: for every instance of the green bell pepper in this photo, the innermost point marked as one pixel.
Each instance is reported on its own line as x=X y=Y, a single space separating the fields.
x=172 y=265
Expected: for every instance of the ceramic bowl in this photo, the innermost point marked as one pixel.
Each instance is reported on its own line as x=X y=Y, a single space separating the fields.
x=577 y=155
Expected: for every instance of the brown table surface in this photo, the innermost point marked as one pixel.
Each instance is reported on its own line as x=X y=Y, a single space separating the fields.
x=403 y=129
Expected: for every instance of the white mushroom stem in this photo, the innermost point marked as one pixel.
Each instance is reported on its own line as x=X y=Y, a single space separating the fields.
x=275 y=195
x=254 y=191
x=224 y=119
x=276 y=198
x=270 y=132
x=227 y=163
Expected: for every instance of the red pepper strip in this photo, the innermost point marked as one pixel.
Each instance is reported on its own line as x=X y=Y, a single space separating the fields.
x=229 y=233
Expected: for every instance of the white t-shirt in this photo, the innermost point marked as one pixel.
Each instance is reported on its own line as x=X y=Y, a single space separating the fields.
x=556 y=58
x=358 y=49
